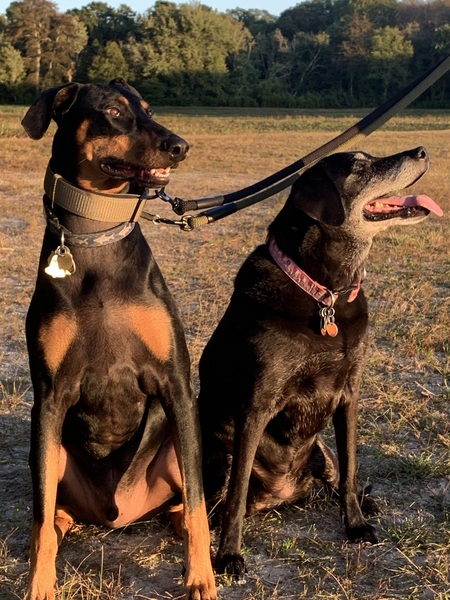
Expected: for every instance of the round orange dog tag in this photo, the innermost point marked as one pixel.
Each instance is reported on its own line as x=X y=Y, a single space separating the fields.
x=332 y=329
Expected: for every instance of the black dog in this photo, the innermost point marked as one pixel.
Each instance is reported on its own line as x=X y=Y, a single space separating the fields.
x=289 y=352
x=115 y=432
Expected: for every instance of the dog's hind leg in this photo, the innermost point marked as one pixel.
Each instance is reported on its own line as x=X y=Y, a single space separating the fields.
x=324 y=465
x=63 y=523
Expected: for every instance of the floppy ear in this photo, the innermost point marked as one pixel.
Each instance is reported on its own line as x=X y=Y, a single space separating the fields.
x=52 y=103
x=315 y=194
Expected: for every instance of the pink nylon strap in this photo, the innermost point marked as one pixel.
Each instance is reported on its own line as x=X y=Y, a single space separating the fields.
x=300 y=278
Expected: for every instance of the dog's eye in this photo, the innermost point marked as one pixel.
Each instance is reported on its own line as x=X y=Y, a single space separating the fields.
x=113 y=111
x=148 y=111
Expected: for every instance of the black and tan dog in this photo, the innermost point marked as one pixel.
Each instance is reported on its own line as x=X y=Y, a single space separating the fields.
x=289 y=352
x=115 y=433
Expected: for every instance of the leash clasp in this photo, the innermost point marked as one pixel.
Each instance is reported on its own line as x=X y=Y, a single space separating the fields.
x=179 y=206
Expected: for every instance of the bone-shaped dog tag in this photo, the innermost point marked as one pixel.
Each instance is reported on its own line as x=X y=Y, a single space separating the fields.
x=60 y=263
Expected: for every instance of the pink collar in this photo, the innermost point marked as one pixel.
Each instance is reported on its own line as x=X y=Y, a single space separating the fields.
x=319 y=292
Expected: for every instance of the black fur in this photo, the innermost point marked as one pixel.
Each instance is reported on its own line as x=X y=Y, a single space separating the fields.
x=269 y=380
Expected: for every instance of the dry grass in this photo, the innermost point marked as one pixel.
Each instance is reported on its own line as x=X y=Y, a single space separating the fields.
x=404 y=450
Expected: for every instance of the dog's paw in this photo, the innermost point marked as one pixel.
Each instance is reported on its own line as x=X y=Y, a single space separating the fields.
x=362 y=533
x=230 y=564
x=201 y=591
x=368 y=505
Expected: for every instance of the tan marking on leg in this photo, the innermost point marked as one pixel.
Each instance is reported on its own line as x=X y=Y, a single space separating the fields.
x=43 y=549
x=153 y=326
x=55 y=338
x=199 y=578
x=44 y=539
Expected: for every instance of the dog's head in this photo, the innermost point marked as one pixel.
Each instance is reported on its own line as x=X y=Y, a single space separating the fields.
x=105 y=137
x=361 y=193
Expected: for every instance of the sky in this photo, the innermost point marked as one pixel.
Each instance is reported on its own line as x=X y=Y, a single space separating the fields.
x=275 y=7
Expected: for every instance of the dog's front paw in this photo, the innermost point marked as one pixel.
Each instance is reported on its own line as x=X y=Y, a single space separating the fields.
x=362 y=533
x=206 y=591
x=231 y=564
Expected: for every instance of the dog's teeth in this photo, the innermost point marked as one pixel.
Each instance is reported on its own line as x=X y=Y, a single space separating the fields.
x=160 y=171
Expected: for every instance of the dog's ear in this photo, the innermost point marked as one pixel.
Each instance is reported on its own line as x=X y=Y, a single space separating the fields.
x=121 y=82
x=315 y=194
x=52 y=103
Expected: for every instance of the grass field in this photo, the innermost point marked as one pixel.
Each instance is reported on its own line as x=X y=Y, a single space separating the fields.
x=404 y=430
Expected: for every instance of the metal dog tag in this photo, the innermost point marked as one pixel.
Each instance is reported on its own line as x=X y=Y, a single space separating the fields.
x=332 y=329
x=328 y=326
x=60 y=263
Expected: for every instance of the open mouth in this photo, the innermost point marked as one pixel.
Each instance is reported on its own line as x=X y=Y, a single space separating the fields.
x=158 y=176
x=403 y=207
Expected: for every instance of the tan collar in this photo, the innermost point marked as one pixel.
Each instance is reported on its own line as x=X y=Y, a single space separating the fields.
x=111 y=208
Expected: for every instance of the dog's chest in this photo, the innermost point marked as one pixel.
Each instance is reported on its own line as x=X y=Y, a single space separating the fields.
x=312 y=392
x=307 y=414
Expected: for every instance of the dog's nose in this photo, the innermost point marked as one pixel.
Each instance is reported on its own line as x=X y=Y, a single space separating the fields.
x=176 y=147
x=420 y=153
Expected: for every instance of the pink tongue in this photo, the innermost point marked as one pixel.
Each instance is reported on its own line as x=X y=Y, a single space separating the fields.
x=421 y=200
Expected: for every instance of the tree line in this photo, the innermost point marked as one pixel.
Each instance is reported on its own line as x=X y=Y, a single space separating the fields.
x=317 y=54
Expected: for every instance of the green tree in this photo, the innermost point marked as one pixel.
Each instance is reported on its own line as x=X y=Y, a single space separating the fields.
x=67 y=38
x=28 y=29
x=190 y=49
x=142 y=59
x=12 y=69
x=311 y=16
x=355 y=52
x=255 y=20
x=108 y=63
x=390 y=56
x=306 y=61
x=381 y=13
x=105 y=24
x=193 y=37
x=442 y=39
x=48 y=41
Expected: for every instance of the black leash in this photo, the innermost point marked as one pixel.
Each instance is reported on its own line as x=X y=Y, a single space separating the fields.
x=227 y=204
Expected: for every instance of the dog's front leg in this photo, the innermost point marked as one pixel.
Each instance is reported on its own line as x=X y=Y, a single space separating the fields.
x=44 y=465
x=247 y=436
x=345 y=421
x=199 y=576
